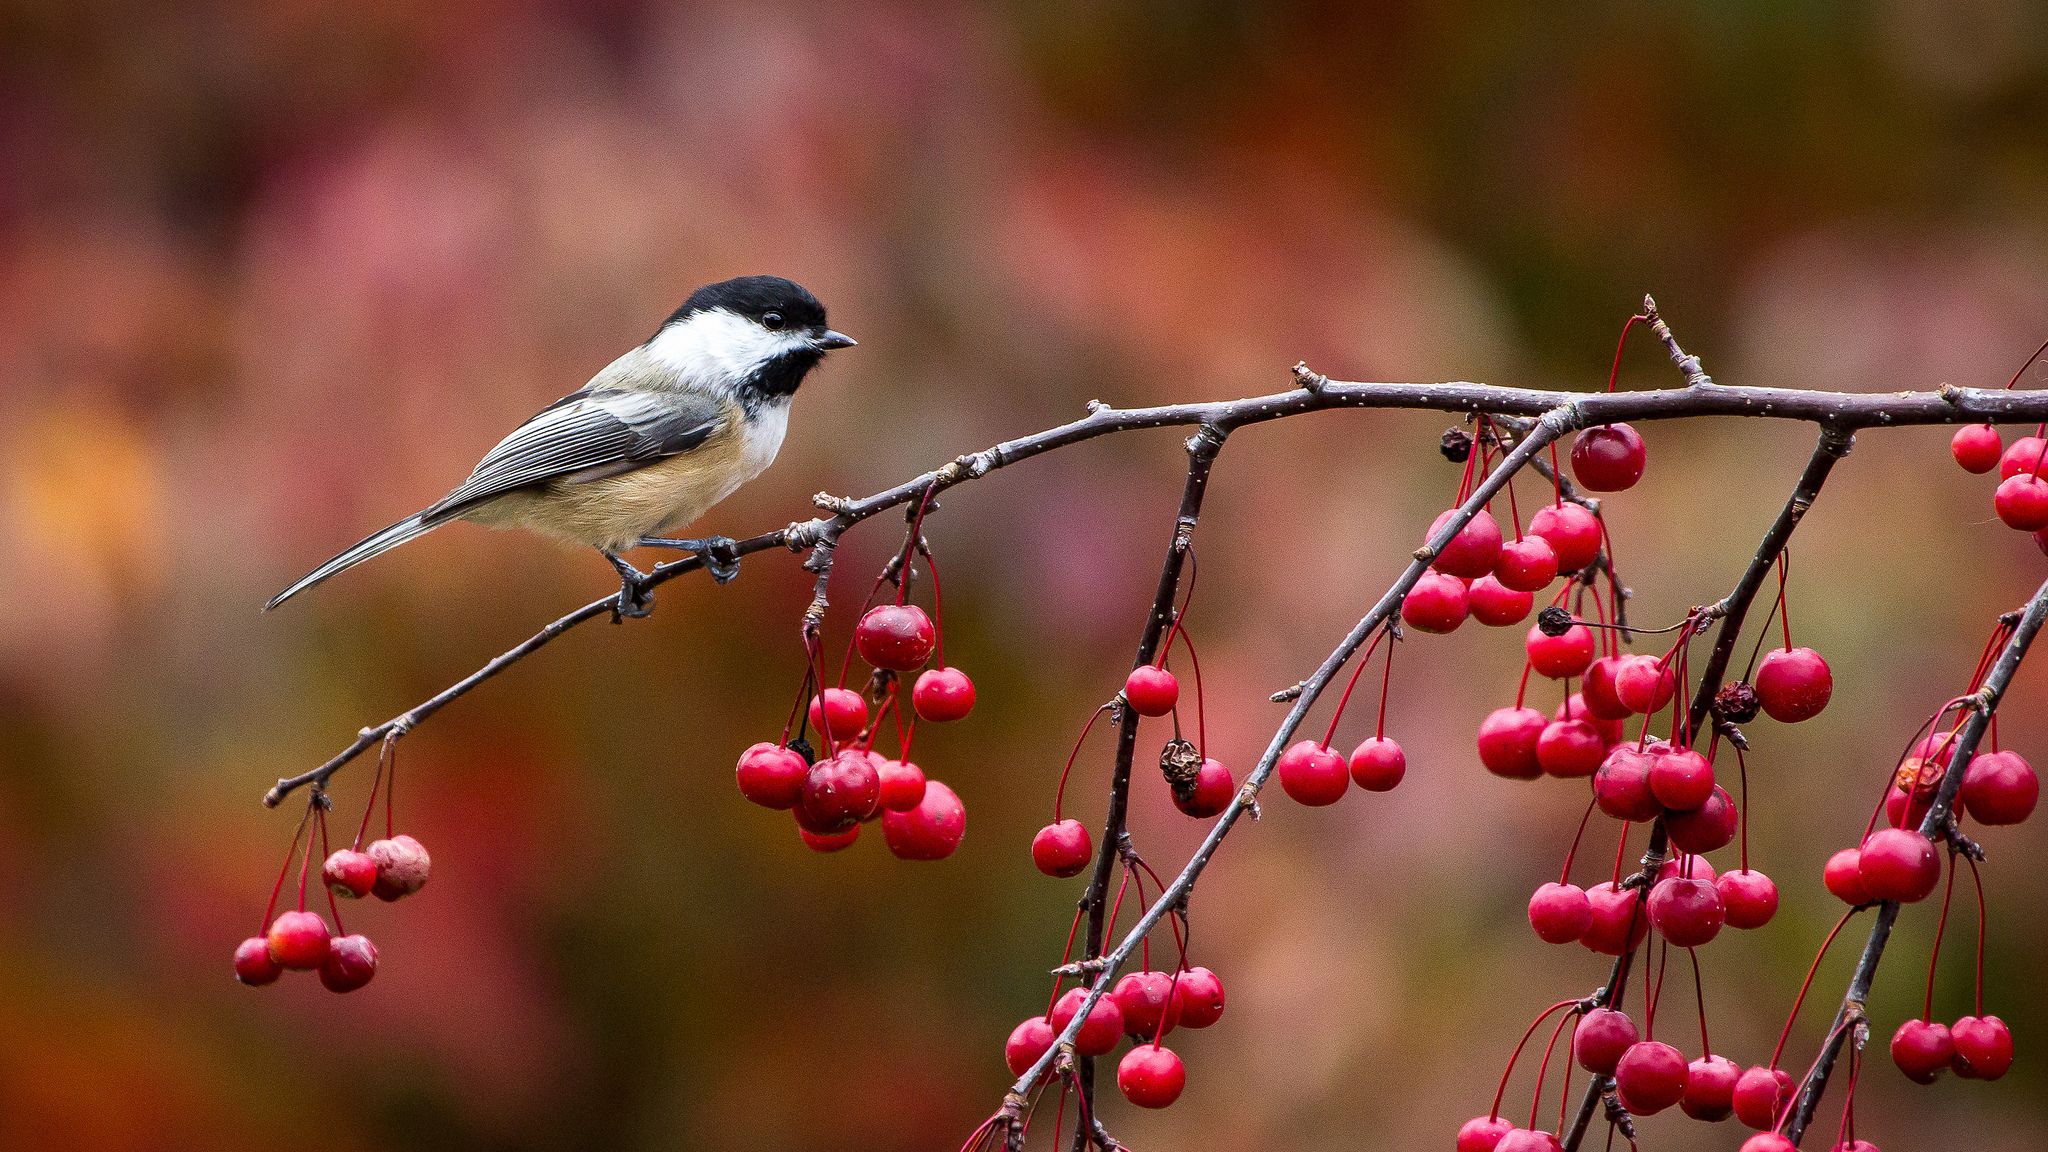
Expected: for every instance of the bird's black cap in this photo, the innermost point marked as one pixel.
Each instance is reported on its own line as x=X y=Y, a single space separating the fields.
x=755 y=297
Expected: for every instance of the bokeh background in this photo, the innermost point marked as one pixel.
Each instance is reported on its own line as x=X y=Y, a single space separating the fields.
x=273 y=274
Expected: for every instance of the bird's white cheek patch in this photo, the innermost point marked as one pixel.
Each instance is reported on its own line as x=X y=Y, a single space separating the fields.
x=719 y=347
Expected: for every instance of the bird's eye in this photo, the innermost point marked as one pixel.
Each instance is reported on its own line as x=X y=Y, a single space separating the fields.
x=772 y=321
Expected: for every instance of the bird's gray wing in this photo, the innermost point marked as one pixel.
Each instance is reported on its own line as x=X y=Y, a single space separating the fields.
x=587 y=435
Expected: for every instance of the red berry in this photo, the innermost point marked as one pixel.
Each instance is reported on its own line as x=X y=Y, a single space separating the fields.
x=1650 y=1077
x=1708 y=827
x=1528 y=1140
x=1602 y=1036
x=1099 y=1032
x=1211 y=793
x=1560 y=913
x=1313 y=774
x=1843 y=876
x=253 y=963
x=1028 y=1041
x=1599 y=691
x=1761 y=1095
x=1618 y=921
x=349 y=874
x=1151 y=1076
x=828 y=841
x=942 y=695
x=1903 y=809
x=839 y=713
x=299 y=940
x=771 y=775
x=1199 y=997
x=1999 y=788
x=1710 y=1088
x=1482 y=1134
x=1472 y=552
x=1976 y=447
x=1574 y=708
x=1493 y=604
x=1643 y=683
x=1062 y=848
x=1507 y=742
x=839 y=792
x=1681 y=779
x=1793 y=684
x=402 y=866
x=1572 y=532
x=1621 y=786
x=1152 y=690
x=898 y=637
x=903 y=784
x=1608 y=458
x=1435 y=604
x=1854 y=1146
x=1526 y=565
x=1559 y=657
x=1983 y=1047
x=2024 y=455
x=1749 y=896
x=351 y=962
x=1768 y=1142
x=1687 y=912
x=929 y=831
x=1922 y=1049
x=1899 y=864
x=1144 y=998
x=1378 y=764
x=2022 y=502
x=1686 y=866
x=1570 y=748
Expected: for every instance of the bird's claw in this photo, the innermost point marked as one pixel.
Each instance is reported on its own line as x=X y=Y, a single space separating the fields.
x=721 y=558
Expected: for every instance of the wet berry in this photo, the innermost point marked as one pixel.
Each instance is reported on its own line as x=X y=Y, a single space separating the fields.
x=942 y=695
x=898 y=637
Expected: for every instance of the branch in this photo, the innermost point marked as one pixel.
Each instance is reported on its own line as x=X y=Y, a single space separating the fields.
x=1983 y=706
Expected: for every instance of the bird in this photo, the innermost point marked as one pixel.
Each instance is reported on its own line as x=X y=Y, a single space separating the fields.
x=651 y=443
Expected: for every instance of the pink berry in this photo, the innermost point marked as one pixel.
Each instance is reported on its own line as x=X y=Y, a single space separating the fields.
x=402 y=866
x=771 y=775
x=1560 y=913
x=1843 y=876
x=1526 y=565
x=1983 y=1047
x=1493 y=604
x=1599 y=690
x=824 y=842
x=839 y=713
x=254 y=965
x=299 y=940
x=1976 y=447
x=349 y=874
x=1575 y=708
x=1528 y=1140
x=1572 y=532
x=942 y=695
x=1145 y=998
x=2022 y=502
x=1749 y=896
x=1378 y=764
x=1687 y=912
x=1559 y=657
x=1152 y=691
x=1899 y=864
x=1211 y=793
x=1313 y=774
x=1650 y=1077
x=1199 y=997
x=929 y=831
x=1706 y=828
x=1602 y=1036
x=1436 y=603
x=1681 y=779
x=1768 y=1142
x=1999 y=788
x=351 y=962
x=1472 y=552
x=1618 y=920
x=1608 y=458
x=1923 y=1049
x=1062 y=848
x=1793 y=684
x=1643 y=683
x=1507 y=742
x=1570 y=749
x=903 y=784
x=1761 y=1095
x=1621 y=785
x=2025 y=455
x=1482 y=1133
x=1710 y=1088
x=839 y=792
x=1099 y=1032
x=1150 y=1076
x=898 y=637
x=1028 y=1041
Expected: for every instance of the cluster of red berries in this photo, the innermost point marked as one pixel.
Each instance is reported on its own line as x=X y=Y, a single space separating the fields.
x=1144 y=1006
x=2021 y=500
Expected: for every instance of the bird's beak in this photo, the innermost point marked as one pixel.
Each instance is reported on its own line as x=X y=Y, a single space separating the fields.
x=829 y=340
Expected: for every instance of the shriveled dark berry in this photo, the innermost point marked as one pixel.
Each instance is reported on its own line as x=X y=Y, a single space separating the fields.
x=1181 y=765
x=1457 y=445
x=1736 y=702
x=1554 y=621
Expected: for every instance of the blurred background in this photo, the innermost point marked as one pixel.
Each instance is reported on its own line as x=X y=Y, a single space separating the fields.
x=275 y=274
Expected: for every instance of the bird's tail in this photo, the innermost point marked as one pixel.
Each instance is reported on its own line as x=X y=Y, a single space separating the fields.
x=375 y=544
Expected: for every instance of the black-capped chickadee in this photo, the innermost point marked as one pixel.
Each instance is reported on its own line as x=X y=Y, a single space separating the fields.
x=650 y=444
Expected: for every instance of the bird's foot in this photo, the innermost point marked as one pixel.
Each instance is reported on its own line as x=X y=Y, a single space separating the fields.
x=636 y=591
x=720 y=554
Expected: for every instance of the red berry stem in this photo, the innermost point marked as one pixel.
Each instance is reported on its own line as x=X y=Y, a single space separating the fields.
x=931 y=564
x=1386 y=678
x=1977 y=879
x=1357 y=670
x=333 y=906
x=1948 y=891
x=1059 y=797
x=1543 y=1066
x=1557 y=489
x=1187 y=597
x=1201 y=705
x=1742 y=817
x=1514 y=521
x=1699 y=998
x=1620 y=852
x=1502 y=1092
x=1784 y=599
x=912 y=542
x=1835 y=1033
x=797 y=708
x=283 y=871
x=1653 y=989
x=306 y=863
x=385 y=758
x=1065 y=956
x=1805 y=985
x=1614 y=373
x=1565 y=876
